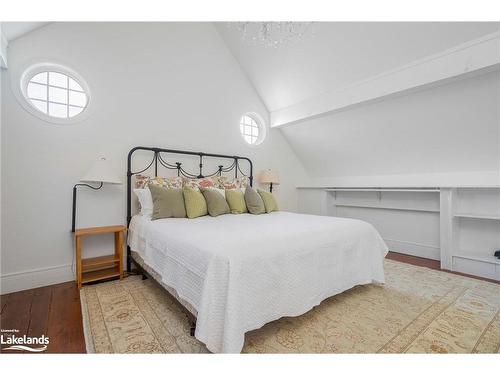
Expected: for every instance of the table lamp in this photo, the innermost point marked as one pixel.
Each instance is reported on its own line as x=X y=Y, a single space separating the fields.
x=101 y=173
x=269 y=177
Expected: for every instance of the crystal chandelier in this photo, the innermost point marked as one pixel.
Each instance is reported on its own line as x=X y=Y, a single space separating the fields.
x=272 y=34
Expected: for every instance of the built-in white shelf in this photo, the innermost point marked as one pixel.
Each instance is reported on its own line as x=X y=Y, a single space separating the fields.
x=457 y=225
x=478 y=216
x=423 y=190
x=490 y=259
x=385 y=207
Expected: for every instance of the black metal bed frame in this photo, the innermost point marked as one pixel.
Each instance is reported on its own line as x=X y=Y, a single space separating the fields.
x=159 y=160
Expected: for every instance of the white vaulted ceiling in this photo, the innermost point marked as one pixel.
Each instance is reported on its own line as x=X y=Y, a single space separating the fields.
x=338 y=54
x=384 y=103
x=14 y=30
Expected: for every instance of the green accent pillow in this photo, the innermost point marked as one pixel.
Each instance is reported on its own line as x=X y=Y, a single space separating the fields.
x=254 y=202
x=269 y=201
x=166 y=202
x=216 y=203
x=196 y=205
x=236 y=200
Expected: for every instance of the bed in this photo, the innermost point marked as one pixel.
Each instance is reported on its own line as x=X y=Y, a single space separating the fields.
x=235 y=273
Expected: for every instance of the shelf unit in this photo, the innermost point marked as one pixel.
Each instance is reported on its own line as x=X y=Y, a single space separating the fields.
x=478 y=216
x=460 y=226
x=393 y=207
x=491 y=259
x=474 y=230
x=407 y=190
x=103 y=267
x=385 y=207
x=103 y=261
x=100 y=274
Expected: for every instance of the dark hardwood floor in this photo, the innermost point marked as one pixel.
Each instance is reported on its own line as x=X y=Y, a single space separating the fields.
x=55 y=311
x=430 y=263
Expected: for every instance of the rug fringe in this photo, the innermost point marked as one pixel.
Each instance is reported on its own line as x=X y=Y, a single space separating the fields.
x=89 y=342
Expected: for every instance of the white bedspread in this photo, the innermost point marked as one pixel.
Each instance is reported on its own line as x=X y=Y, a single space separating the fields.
x=242 y=271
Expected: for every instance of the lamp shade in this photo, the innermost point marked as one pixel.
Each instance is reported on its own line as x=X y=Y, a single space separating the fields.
x=101 y=171
x=269 y=176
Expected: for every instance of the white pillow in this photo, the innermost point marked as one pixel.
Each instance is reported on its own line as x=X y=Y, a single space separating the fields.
x=145 y=200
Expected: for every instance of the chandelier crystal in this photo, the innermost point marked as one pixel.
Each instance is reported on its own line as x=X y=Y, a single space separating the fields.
x=272 y=34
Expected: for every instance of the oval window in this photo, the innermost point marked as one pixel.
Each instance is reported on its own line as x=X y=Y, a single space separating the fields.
x=54 y=92
x=252 y=129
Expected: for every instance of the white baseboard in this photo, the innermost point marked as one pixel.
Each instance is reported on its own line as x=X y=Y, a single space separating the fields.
x=16 y=281
x=476 y=267
x=413 y=248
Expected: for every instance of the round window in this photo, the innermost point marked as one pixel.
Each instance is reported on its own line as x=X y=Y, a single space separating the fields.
x=252 y=129
x=54 y=92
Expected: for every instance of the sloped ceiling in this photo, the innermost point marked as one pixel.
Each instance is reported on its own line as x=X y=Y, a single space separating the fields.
x=451 y=128
x=338 y=54
x=14 y=30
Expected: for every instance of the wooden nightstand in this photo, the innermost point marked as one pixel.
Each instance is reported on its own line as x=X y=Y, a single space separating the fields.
x=99 y=268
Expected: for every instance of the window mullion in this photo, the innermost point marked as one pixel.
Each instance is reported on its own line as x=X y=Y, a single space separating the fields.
x=47 y=94
x=67 y=97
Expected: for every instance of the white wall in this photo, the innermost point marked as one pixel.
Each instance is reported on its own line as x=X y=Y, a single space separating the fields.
x=169 y=85
x=447 y=134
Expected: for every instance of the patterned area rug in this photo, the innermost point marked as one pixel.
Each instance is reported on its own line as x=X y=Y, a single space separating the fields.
x=418 y=310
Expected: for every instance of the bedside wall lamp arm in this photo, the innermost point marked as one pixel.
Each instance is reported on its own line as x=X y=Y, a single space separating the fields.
x=74 y=200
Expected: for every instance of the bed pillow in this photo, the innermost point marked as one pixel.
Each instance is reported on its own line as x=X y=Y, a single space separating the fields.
x=195 y=203
x=199 y=183
x=254 y=202
x=145 y=201
x=167 y=202
x=222 y=192
x=236 y=200
x=237 y=183
x=142 y=182
x=216 y=202
x=269 y=201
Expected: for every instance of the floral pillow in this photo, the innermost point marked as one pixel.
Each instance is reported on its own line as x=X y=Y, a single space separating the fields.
x=237 y=183
x=199 y=183
x=142 y=182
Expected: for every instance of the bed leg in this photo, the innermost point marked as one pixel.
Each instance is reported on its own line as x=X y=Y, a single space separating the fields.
x=192 y=329
x=144 y=277
x=129 y=260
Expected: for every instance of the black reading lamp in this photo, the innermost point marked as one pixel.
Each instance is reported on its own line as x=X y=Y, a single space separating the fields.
x=100 y=173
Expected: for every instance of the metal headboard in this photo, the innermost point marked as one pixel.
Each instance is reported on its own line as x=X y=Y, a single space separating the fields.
x=159 y=160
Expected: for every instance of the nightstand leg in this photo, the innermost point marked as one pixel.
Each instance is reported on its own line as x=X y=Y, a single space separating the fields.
x=78 y=245
x=119 y=250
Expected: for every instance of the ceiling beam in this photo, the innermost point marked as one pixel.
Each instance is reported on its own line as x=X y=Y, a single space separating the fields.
x=476 y=56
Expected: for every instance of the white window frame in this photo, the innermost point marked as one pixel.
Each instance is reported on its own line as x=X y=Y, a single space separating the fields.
x=35 y=69
x=261 y=126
